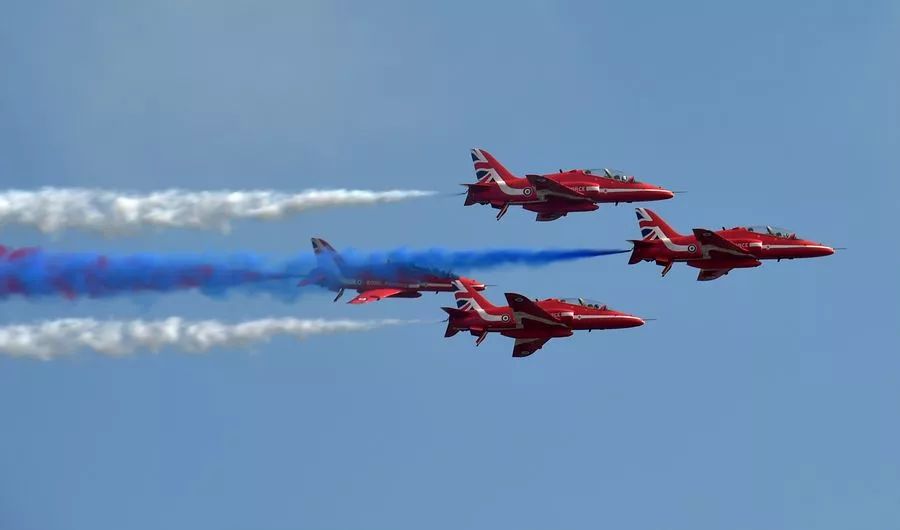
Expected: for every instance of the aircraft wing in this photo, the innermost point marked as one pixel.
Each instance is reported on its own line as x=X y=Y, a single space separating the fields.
x=551 y=187
x=374 y=295
x=529 y=314
x=711 y=274
x=712 y=242
x=525 y=347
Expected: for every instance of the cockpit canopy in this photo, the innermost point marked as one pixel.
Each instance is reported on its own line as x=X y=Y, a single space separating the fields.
x=585 y=302
x=773 y=231
x=611 y=173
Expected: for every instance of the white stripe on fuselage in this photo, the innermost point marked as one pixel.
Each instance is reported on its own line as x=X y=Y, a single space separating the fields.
x=495 y=177
x=482 y=313
x=821 y=247
x=542 y=194
x=361 y=284
x=583 y=317
x=666 y=241
x=624 y=190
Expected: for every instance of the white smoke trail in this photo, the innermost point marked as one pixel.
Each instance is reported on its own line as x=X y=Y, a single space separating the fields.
x=55 y=338
x=111 y=213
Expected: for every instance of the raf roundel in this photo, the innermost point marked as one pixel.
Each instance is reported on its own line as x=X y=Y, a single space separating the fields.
x=505 y=318
x=692 y=248
x=528 y=191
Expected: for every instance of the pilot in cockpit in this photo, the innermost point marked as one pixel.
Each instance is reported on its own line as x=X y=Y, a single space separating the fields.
x=773 y=231
x=614 y=174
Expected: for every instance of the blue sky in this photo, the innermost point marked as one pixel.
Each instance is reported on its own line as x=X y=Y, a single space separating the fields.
x=767 y=399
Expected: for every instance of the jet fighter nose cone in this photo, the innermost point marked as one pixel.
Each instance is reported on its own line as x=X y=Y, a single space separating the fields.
x=631 y=321
x=817 y=251
x=658 y=193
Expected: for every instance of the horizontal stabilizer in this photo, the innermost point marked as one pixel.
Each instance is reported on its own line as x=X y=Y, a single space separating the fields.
x=472 y=191
x=454 y=312
x=637 y=254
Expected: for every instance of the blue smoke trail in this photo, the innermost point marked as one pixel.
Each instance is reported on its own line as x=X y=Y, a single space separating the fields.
x=33 y=273
x=467 y=260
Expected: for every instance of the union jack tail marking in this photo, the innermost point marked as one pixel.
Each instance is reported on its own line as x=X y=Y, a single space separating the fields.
x=488 y=169
x=653 y=226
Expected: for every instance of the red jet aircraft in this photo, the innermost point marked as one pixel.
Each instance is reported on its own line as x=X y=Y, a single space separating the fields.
x=716 y=253
x=531 y=323
x=376 y=283
x=554 y=195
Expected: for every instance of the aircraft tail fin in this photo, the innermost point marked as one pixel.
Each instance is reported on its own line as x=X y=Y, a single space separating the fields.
x=467 y=297
x=326 y=254
x=488 y=169
x=653 y=226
